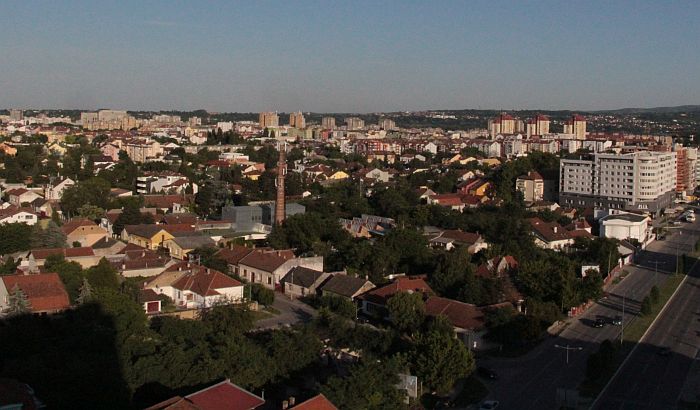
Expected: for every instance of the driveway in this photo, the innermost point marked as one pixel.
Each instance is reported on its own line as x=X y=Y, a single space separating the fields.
x=291 y=312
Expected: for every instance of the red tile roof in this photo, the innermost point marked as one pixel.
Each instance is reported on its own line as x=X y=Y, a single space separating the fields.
x=225 y=396
x=234 y=255
x=266 y=261
x=402 y=284
x=45 y=291
x=319 y=402
x=460 y=314
x=204 y=281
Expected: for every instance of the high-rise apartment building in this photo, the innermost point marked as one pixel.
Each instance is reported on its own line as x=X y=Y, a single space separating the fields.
x=538 y=125
x=297 y=120
x=503 y=124
x=328 y=123
x=642 y=180
x=686 y=163
x=16 y=115
x=577 y=126
x=387 y=124
x=354 y=123
x=269 y=119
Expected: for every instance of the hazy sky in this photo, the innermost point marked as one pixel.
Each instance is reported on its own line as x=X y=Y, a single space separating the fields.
x=348 y=56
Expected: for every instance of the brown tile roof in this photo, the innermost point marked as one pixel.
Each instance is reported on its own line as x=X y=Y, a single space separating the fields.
x=549 y=231
x=45 y=291
x=234 y=255
x=166 y=201
x=344 y=285
x=205 y=281
x=76 y=223
x=460 y=314
x=402 y=284
x=266 y=261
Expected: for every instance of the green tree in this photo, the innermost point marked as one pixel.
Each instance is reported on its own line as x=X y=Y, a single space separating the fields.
x=90 y=212
x=93 y=191
x=371 y=385
x=407 y=311
x=71 y=273
x=440 y=358
x=103 y=275
x=15 y=238
x=50 y=237
x=17 y=303
x=645 y=308
x=86 y=294
x=261 y=294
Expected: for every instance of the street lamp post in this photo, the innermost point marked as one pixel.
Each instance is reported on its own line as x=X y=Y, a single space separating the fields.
x=568 y=348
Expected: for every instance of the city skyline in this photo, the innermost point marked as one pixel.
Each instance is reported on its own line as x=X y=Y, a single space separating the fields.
x=358 y=57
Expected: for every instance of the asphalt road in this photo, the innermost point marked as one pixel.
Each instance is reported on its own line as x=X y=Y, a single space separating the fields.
x=650 y=380
x=532 y=381
x=291 y=312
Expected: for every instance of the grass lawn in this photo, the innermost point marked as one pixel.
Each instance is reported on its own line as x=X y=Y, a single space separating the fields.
x=633 y=332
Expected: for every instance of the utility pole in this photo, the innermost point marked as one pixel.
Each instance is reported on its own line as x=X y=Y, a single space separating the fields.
x=568 y=348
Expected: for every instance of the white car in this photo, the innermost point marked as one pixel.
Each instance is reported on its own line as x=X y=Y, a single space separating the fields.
x=489 y=405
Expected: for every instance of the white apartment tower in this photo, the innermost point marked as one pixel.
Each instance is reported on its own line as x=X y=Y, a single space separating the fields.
x=328 y=123
x=577 y=126
x=643 y=181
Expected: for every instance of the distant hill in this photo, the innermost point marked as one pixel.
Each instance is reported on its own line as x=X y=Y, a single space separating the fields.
x=661 y=110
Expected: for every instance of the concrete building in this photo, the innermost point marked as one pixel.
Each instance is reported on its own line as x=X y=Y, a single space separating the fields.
x=576 y=126
x=539 y=125
x=643 y=181
x=531 y=186
x=16 y=115
x=686 y=163
x=387 y=124
x=503 y=124
x=624 y=226
x=297 y=120
x=328 y=123
x=354 y=123
x=269 y=119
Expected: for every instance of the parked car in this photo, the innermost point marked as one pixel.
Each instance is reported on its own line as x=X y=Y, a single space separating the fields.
x=599 y=322
x=489 y=405
x=487 y=373
x=617 y=321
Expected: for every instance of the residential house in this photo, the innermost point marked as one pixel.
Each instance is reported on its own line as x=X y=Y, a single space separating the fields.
x=497 y=267
x=133 y=261
x=223 y=395
x=45 y=292
x=550 y=235
x=452 y=238
x=318 y=402
x=192 y=286
x=180 y=246
x=83 y=256
x=367 y=225
x=13 y=215
x=301 y=281
x=54 y=191
x=107 y=246
x=467 y=320
x=349 y=287
x=268 y=267
x=153 y=236
x=20 y=196
x=42 y=207
x=83 y=231
x=373 y=302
